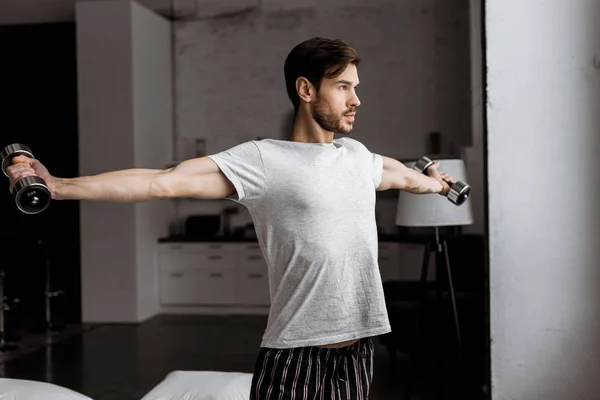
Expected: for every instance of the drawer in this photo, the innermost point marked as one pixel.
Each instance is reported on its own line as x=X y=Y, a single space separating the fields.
x=186 y=261
x=180 y=287
x=197 y=287
x=217 y=287
x=195 y=247
x=252 y=287
x=251 y=259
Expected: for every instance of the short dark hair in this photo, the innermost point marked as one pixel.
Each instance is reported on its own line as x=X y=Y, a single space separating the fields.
x=315 y=59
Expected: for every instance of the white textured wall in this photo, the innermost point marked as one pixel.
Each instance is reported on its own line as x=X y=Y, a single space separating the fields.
x=415 y=75
x=543 y=60
x=49 y=11
x=125 y=121
x=414 y=78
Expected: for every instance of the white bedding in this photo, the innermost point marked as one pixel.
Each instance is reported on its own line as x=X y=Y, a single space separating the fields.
x=21 y=389
x=202 y=385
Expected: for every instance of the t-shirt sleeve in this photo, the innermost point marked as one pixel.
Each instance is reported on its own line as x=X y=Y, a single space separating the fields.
x=377 y=162
x=243 y=166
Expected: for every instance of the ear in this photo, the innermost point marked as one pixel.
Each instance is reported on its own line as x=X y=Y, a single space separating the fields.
x=306 y=90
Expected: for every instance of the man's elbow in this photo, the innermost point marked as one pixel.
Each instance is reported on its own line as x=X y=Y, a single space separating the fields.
x=164 y=186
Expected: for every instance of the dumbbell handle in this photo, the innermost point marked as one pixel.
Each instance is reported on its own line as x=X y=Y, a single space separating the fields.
x=11 y=151
x=459 y=191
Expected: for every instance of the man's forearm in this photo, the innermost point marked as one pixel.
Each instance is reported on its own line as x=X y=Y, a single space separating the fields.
x=419 y=183
x=128 y=185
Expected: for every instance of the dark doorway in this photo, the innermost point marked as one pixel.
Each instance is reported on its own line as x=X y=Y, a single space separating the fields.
x=38 y=99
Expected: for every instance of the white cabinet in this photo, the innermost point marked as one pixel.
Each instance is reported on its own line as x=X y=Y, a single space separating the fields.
x=213 y=274
x=236 y=274
x=389 y=260
x=180 y=286
x=252 y=287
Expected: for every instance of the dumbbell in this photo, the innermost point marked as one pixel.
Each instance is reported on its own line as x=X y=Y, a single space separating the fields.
x=31 y=193
x=459 y=191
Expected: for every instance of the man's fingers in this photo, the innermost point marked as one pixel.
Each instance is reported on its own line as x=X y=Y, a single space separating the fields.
x=22 y=159
x=19 y=167
x=19 y=171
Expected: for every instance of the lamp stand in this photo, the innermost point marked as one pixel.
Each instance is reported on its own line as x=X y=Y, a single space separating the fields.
x=439 y=246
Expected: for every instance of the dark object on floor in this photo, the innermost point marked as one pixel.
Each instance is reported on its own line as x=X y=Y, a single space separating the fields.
x=424 y=327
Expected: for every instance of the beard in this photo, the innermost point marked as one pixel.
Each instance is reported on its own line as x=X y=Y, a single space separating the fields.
x=331 y=122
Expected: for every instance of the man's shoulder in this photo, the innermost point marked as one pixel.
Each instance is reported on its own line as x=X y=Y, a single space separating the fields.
x=352 y=143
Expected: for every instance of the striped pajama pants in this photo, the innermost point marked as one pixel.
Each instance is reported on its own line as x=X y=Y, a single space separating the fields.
x=314 y=373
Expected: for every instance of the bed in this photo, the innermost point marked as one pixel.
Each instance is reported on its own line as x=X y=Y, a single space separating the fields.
x=23 y=389
x=202 y=385
x=177 y=385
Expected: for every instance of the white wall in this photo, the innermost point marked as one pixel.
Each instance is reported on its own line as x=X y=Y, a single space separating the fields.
x=474 y=154
x=414 y=78
x=544 y=220
x=49 y=11
x=125 y=121
x=415 y=75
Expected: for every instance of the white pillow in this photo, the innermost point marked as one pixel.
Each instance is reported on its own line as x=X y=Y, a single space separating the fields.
x=202 y=385
x=21 y=389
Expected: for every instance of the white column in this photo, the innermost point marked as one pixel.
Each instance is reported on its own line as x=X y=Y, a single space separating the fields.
x=125 y=121
x=474 y=155
x=544 y=184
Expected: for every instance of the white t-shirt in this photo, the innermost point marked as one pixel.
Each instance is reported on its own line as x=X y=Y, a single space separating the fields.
x=313 y=207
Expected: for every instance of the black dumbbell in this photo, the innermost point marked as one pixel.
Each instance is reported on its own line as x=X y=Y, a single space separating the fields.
x=459 y=191
x=31 y=193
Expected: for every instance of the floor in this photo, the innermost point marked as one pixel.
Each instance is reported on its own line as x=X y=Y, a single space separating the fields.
x=124 y=362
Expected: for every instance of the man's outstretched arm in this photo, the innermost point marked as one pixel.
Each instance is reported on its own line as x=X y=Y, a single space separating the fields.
x=195 y=178
x=398 y=176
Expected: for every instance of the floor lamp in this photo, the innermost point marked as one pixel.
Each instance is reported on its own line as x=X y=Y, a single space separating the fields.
x=435 y=211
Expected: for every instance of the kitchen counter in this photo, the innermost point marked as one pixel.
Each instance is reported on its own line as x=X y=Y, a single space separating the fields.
x=222 y=239
x=241 y=239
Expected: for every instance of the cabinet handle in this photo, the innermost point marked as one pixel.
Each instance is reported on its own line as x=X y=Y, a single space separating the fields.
x=255 y=276
x=254 y=258
x=176 y=274
x=215 y=257
x=215 y=275
x=214 y=246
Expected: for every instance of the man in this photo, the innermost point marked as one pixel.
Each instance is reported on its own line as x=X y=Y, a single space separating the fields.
x=312 y=200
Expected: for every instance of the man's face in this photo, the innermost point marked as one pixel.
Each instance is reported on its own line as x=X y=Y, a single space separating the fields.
x=336 y=102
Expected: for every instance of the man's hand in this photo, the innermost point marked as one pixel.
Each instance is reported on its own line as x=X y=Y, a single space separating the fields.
x=442 y=177
x=23 y=166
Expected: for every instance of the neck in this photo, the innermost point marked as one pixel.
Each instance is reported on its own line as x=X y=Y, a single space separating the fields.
x=307 y=130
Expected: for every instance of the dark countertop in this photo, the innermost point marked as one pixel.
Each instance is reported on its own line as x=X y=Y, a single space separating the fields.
x=223 y=239
x=241 y=239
